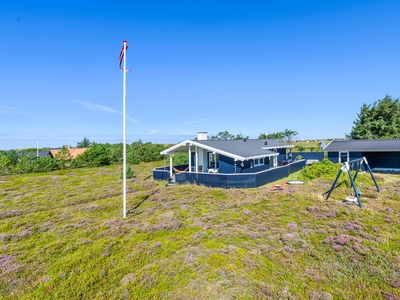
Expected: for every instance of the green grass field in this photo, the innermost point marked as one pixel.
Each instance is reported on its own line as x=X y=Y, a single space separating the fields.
x=62 y=236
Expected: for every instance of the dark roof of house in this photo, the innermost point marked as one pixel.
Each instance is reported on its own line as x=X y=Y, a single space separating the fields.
x=239 y=149
x=364 y=145
x=42 y=153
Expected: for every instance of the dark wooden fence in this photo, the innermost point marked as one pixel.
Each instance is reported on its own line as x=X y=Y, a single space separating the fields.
x=240 y=180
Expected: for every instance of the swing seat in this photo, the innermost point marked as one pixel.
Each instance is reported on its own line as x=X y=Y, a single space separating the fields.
x=351 y=199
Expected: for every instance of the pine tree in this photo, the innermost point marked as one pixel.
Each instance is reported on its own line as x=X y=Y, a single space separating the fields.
x=85 y=143
x=380 y=120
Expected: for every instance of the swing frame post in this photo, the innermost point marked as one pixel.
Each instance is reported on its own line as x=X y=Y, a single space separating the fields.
x=372 y=175
x=334 y=183
x=346 y=166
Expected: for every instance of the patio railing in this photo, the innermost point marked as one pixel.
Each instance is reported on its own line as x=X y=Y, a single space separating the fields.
x=239 y=180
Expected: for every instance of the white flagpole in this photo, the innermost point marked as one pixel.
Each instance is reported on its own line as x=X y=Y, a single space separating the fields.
x=124 y=133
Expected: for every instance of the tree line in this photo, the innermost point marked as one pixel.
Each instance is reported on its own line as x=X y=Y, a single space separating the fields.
x=97 y=155
x=378 y=120
x=286 y=135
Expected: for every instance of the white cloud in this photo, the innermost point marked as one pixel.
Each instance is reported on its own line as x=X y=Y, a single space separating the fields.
x=10 y=110
x=104 y=109
x=153 y=131
x=131 y=119
x=196 y=121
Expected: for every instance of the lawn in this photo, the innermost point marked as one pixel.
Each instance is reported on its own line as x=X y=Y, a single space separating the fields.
x=62 y=236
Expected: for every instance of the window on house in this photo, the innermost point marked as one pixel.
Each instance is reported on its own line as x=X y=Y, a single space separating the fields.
x=213 y=160
x=258 y=162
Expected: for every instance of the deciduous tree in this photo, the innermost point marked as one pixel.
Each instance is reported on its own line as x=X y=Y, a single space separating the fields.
x=289 y=134
x=225 y=135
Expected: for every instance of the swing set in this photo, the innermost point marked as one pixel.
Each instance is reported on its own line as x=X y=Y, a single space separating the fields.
x=346 y=167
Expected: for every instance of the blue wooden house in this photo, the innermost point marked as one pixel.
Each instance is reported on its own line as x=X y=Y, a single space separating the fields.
x=381 y=154
x=229 y=163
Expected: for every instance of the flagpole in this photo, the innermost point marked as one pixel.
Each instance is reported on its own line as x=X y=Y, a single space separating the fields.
x=124 y=132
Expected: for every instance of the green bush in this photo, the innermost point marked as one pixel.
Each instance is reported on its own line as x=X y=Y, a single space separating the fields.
x=95 y=156
x=26 y=163
x=322 y=169
x=12 y=156
x=5 y=165
x=180 y=159
x=144 y=152
x=132 y=157
x=115 y=153
x=44 y=164
x=130 y=173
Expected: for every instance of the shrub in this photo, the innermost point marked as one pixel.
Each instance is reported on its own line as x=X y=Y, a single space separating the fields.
x=129 y=173
x=180 y=159
x=322 y=169
x=63 y=158
x=44 y=164
x=95 y=156
x=144 y=152
x=12 y=156
x=26 y=163
x=5 y=165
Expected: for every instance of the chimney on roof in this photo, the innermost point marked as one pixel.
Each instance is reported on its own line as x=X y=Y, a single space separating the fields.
x=265 y=143
x=244 y=140
x=202 y=136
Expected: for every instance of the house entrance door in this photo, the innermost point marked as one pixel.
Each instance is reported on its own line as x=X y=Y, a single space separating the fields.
x=343 y=157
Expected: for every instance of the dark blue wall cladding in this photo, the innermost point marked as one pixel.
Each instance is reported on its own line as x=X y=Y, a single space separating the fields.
x=226 y=165
x=281 y=157
x=375 y=159
x=333 y=156
x=355 y=155
x=383 y=159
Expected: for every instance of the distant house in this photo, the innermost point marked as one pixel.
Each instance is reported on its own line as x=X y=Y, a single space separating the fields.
x=381 y=154
x=44 y=153
x=37 y=154
x=225 y=163
x=74 y=151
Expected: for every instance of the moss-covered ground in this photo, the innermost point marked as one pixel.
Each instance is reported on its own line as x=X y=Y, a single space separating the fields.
x=62 y=236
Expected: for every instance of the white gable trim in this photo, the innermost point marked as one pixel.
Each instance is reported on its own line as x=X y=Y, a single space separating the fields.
x=216 y=150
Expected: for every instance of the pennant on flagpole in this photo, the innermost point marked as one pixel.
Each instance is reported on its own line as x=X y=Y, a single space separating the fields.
x=121 y=57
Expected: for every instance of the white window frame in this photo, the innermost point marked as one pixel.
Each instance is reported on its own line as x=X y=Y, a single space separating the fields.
x=258 y=162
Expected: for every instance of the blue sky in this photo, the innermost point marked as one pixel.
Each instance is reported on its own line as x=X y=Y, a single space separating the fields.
x=243 y=66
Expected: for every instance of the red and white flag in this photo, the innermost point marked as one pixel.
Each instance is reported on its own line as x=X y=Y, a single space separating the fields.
x=121 y=56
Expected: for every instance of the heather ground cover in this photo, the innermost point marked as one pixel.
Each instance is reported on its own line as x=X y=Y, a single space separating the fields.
x=62 y=236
